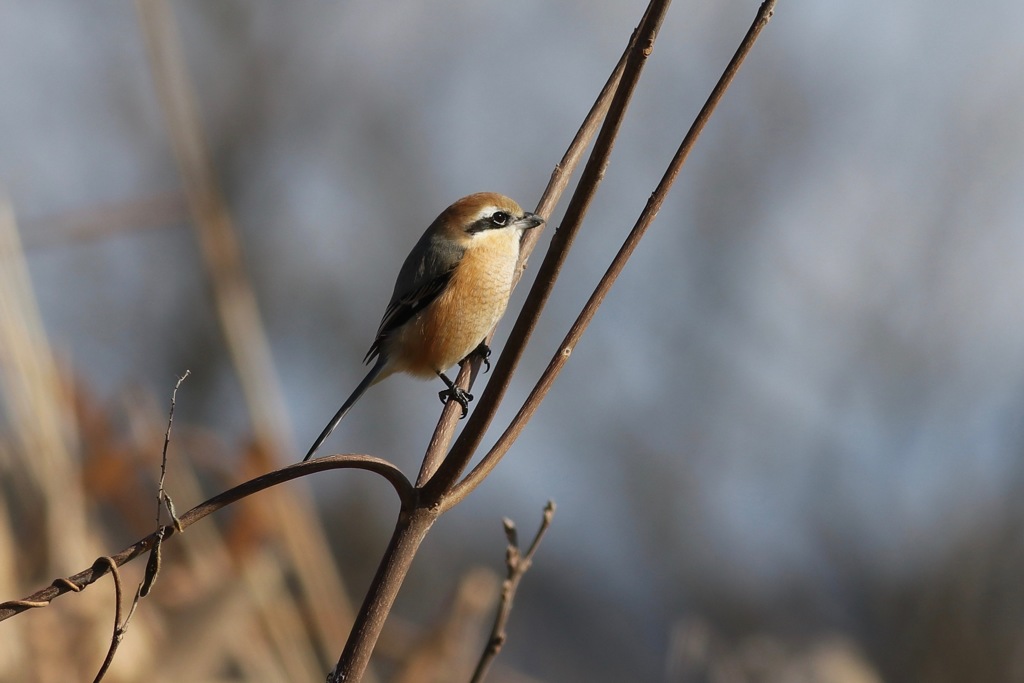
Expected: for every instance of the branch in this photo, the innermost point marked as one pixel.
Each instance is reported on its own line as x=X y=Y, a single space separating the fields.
x=654 y=203
x=120 y=627
x=116 y=638
x=100 y=567
x=516 y=566
x=163 y=499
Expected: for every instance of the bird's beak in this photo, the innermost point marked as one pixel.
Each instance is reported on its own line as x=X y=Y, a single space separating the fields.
x=529 y=220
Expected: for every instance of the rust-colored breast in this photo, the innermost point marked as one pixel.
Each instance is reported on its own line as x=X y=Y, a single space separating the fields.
x=458 y=320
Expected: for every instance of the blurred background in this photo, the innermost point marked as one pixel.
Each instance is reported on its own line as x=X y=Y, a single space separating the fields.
x=788 y=448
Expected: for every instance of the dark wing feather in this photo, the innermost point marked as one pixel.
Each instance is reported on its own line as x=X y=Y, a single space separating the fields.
x=403 y=308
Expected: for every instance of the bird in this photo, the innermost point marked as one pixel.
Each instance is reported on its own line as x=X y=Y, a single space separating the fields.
x=451 y=291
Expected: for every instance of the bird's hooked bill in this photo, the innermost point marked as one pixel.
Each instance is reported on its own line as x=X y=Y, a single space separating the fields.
x=530 y=220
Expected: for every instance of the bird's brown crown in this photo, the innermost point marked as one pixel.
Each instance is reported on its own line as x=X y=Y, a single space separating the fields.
x=475 y=206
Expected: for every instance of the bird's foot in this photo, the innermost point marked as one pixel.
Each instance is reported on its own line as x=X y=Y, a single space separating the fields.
x=459 y=396
x=483 y=352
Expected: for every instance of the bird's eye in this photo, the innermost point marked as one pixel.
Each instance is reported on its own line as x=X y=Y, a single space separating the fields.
x=500 y=218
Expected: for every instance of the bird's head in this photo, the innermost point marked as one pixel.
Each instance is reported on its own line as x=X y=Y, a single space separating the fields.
x=479 y=214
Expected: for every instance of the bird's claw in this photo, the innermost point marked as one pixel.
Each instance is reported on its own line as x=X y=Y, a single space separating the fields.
x=459 y=396
x=483 y=352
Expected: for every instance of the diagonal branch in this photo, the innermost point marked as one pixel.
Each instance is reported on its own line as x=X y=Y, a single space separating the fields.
x=648 y=215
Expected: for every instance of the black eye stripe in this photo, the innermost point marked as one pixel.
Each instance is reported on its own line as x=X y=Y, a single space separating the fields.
x=495 y=221
x=479 y=225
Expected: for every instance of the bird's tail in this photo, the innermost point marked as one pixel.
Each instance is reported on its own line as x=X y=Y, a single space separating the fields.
x=367 y=382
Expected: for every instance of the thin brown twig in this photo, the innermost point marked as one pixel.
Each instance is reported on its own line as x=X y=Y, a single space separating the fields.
x=153 y=565
x=163 y=499
x=77 y=582
x=119 y=628
x=654 y=203
x=516 y=566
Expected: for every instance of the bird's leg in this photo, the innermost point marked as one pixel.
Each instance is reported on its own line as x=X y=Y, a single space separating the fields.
x=483 y=352
x=453 y=392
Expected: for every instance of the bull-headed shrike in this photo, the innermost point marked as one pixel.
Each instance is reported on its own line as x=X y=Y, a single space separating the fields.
x=450 y=293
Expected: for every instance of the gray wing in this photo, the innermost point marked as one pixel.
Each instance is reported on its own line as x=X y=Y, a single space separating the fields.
x=402 y=309
x=426 y=272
